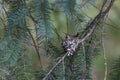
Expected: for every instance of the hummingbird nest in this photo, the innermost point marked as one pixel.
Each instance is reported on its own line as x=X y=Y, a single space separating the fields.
x=70 y=44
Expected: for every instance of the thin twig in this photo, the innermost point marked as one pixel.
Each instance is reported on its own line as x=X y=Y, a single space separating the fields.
x=5 y=26
x=114 y=26
x=67 y=22
x=105 y=60
x=85 y=63
x=55 y=66
x=103 y=47
x=5 y=10
x=3 y=22
x=63 y=64
x=58 y=35
x=84 y=2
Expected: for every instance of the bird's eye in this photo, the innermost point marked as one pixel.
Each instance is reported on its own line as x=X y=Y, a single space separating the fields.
x=64 y=43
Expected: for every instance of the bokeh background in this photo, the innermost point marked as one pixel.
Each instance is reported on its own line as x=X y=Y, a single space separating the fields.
x=111 y=37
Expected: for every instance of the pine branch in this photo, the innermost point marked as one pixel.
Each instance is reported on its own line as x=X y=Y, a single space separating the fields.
x=12 y=49
x=36 y=47
x=35 y=41
x=13 y=38
x=115 y=70
x=42 y=22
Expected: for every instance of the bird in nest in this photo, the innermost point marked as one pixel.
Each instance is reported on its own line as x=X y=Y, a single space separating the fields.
x=70 y=43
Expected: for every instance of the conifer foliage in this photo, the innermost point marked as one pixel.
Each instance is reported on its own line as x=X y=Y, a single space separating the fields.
x=115 y=71
x=31 y=24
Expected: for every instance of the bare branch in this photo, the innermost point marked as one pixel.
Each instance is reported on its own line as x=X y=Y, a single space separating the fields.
x=90 y=28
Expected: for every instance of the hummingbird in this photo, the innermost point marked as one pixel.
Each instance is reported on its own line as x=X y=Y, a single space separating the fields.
x=69 y=36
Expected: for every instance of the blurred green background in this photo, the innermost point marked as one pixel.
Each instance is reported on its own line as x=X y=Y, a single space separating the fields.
x=111 y=39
